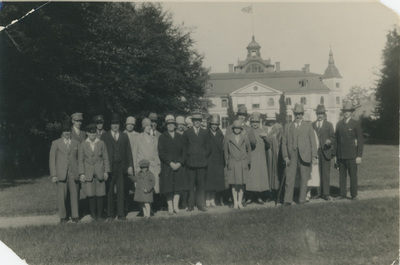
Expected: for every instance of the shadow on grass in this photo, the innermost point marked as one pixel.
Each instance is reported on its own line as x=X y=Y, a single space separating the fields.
x=9 y=183
x=375 y=141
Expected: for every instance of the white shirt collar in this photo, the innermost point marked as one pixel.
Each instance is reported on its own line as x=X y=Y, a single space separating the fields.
x=89 y=141
x=76 y=130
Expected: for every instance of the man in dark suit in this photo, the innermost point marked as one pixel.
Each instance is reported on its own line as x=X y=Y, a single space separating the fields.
x=299 y=149
x=197 y=152
x=121 y=163
x=349 y=150
x=99 y=121
x=326 y=137
x=63 y=162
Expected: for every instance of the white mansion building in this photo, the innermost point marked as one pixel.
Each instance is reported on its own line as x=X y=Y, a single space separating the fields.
x=258 y=84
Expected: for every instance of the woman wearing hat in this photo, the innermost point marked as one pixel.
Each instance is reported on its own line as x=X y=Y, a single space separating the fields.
x=237 y=151
x=215 y=179
x=258 y=181
x=274 y=133
x=172 y=152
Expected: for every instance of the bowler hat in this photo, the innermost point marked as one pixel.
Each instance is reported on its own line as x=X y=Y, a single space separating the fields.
x=180 y=120
x=77 y=116
x=91 y=128
x=153 y=116
x=169 y=119
x=66 y=126
x=298 y=108
x=242 y=110
x=146 y=122
x=270 y=116
x=197 y=115
x=237 y=124
x=320 y=109
x=255 y=117
x=347 y=106
x=130 y=120
x=215 y=119
x=115 y=118
x=144 y=163
x=98 y=118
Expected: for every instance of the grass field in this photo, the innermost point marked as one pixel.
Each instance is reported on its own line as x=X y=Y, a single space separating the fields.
x=361 y=232
x=379 y=170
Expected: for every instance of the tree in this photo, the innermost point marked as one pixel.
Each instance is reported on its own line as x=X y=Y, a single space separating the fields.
x=388 y=87
x=282 y=110
x=231 y=114
x=357 y=94
x=95 y=58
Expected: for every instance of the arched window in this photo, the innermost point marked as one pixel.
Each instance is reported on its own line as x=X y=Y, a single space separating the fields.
x=322 y=100
x=271 y=102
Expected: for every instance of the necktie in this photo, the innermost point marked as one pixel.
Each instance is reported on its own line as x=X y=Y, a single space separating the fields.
x=68 y=144
x=319 y=125
x=115 y=136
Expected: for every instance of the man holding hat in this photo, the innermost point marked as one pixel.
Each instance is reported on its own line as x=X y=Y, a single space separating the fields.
x=349 y=150
x=154 y=119
x=299 y=149
x=326 y=137
x=121 y=163
x=197 y=153
x=63 y=162
x=76 y=133
x=98 y=120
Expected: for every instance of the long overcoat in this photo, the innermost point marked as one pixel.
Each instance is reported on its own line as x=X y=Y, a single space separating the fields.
x=172 y=150
x=144 y=180
x=274 y=138
x=259 y=180
x=237 y=158
x=146 y=148
x=215 y=180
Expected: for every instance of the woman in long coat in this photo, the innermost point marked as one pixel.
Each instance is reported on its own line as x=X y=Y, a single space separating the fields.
x=237 y=152
x=259 y=181
x=172 y=152
x=215 y=180
x=274 y=137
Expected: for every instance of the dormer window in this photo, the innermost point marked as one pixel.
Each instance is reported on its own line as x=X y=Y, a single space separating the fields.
x=253 y=53
x=303 y=83
x=254 y=68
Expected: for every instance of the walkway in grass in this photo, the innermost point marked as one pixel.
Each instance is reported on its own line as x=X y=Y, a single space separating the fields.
x=9 y=222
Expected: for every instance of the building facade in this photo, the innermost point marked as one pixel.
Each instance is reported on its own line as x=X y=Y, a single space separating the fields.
x=258 y=84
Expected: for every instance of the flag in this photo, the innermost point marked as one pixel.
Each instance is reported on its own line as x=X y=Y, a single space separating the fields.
x=247 y=9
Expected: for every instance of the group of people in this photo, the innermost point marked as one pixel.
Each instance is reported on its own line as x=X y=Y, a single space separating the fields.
x=192 y=163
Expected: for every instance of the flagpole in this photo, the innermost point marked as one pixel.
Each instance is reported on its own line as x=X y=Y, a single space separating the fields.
x=252 y=19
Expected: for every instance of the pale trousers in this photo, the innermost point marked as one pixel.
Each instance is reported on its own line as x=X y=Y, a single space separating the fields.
x=62 y=188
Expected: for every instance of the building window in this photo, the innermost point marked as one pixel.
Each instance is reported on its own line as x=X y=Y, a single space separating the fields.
x=322 y=101
x=253 y=53
x=254 y=68
x=303 y=83
x=271 y=102
x=337 y=85
x=338 y=100
x=288 y=101
x=289 y=118
x=224 y=122
x=224 y=102
x=303 y=100
x=256 y=106
x=240 y=105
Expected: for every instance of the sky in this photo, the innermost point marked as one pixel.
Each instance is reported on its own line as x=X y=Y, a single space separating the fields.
x=293 y=34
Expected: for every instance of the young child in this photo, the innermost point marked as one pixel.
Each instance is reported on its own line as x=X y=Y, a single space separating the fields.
x=237 y=151
x=145 y=182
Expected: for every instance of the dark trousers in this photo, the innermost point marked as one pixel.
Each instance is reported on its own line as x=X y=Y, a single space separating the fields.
x=197 y=179
x=348 y=165
x=296 y=164
x=117 y=179
x=324 y=172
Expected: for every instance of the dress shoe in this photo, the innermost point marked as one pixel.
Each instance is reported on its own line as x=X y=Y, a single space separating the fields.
x=201 y=208
x=75 y=220
x=326 y=197
x=63 y=220
x=287 y=204
x=240 y=206
x=190 y=209
x=260 y=201
x=176 y=212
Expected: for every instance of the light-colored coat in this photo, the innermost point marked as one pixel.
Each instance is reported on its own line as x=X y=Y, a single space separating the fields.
x=237 y=158
x=93 y=162
x=61 y=158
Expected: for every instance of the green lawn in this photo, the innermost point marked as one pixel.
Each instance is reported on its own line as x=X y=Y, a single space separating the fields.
x=361 y=232
x=379 y=170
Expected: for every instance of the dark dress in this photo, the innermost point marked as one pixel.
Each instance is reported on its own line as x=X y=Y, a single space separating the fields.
x=172 y=150
x=215 y=180
x=144 y=180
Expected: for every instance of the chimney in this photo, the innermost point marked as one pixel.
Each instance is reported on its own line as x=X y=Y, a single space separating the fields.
x=306 y=68
x=230 y=68
x=277 y=67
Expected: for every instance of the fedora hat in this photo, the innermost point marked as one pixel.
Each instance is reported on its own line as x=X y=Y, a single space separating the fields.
x=320 y=109
x=298 y=108
x=347 y=106
x=197 y=115
x=237 y=124
x=242 y=110
x=115 y=118
x=215 y=119
x=255 y=117
x=270 y=116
